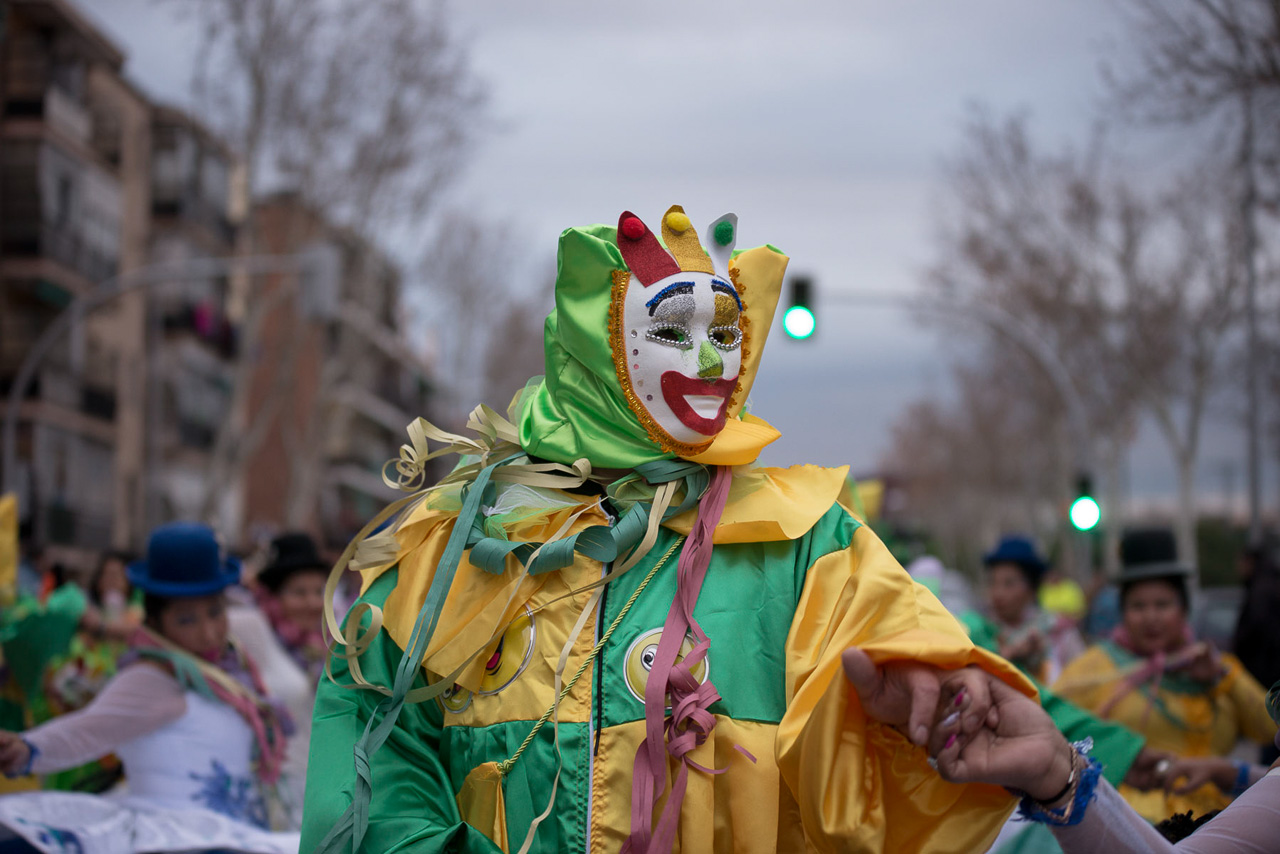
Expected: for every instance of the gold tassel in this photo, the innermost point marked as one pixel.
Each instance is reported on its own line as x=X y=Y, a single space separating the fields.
x=482 y=804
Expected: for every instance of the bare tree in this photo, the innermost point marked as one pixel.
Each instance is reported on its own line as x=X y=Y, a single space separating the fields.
x=1214 y=65
x=489 y=312
x=364 y=110
x=1136 y=292
x=990 y=461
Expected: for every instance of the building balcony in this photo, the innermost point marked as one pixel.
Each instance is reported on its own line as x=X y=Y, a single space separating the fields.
x=67 y=526
x=65 y=248
x=98 y=403
x=59 y=112
x=177 y=203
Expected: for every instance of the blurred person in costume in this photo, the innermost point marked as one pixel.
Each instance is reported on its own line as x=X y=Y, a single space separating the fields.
x=1061 y=595
x=1257 y=636
x=32 y=633
x=1063 y=789
x=74 y=678
x=607 y=630
x=280 y=629
x=35 y=630
x=188 y=717
x=1039 y=641
x=1154 y=677
x=951 y=587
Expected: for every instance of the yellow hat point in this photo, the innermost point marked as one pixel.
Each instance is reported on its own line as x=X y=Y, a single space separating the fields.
x=678 y=222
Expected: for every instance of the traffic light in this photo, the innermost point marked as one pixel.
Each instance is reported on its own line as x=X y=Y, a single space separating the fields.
x=1085 y=512
x=798 y=320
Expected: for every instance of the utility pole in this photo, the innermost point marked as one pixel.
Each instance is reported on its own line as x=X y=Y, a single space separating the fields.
x=1249 y=236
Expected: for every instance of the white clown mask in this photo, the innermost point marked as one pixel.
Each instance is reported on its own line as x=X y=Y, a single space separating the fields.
x=684 y=352
x=677 y=329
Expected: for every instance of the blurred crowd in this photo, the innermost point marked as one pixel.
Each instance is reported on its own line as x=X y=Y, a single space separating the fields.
x=1178 y=722
x=78 y=686
x=121 y=668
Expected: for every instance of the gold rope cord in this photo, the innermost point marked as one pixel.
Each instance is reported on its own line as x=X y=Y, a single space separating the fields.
x=505 y=765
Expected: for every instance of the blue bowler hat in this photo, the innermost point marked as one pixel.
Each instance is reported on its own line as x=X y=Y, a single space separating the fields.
x=184 y=559
x=1021 y=552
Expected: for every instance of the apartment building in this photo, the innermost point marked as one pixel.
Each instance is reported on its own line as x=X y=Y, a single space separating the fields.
x=119 y=429
x=74 y=191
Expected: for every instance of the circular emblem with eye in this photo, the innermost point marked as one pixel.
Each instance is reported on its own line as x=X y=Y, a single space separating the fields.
x=455 y=699
x=514 y=652
x=639 y=661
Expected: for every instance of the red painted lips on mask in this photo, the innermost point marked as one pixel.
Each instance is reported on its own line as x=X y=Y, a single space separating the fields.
x=676 y=386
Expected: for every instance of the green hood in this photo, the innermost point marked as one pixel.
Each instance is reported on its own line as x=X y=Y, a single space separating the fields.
x=579 y=410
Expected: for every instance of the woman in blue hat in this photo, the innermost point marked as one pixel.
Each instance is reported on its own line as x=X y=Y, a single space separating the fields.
x=187 y=716
x=1040 y=643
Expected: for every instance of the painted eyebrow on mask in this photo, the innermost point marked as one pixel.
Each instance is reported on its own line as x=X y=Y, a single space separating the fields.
x=725 y=288
x=669 y=291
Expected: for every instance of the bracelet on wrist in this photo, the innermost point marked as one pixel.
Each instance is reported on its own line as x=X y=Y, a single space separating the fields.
x=1242 y=778
x=1085 y=774
x=32 y=753
x=1066 y=787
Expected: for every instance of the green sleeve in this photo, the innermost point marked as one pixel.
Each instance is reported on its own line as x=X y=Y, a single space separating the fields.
x=413 y=806
x=1114 y=745
x=981 y=631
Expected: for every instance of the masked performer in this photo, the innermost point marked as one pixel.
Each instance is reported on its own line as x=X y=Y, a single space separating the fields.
x=606 y=629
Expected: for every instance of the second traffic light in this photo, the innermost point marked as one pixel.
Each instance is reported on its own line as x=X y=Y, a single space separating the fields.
x=1085 y=512
x=799 y=321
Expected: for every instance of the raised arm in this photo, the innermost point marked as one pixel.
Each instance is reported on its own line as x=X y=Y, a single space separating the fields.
x=140 y=699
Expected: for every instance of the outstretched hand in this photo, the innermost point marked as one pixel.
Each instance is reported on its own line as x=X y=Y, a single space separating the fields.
x=1186 y=774
x=14 y=754
x=906 y=694
x=1019 y=747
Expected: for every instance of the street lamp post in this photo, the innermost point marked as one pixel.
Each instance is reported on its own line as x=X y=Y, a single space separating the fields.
x=107 y=291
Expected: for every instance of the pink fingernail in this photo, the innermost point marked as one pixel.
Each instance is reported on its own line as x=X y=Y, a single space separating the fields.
x=960 y=697
x=951 y=739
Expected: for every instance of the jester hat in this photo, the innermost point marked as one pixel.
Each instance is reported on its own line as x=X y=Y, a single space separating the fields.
x=653 y=346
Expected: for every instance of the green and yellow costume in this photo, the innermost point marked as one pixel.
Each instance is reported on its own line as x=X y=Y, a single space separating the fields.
x=793 y=580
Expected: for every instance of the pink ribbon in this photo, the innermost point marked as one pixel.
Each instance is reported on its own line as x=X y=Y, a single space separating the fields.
x=1152 y=670
x=690 y=722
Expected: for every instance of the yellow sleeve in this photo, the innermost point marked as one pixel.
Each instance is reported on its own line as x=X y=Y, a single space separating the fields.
x=1249 y=699
x=858 y=785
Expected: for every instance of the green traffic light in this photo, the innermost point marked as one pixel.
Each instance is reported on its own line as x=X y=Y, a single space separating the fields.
x=1085 y=513
x=798 y=322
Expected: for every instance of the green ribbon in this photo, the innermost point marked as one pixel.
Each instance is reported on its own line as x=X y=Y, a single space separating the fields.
x=603 y=543
x=354 y=823
x=598 y=542
x=1273 y=702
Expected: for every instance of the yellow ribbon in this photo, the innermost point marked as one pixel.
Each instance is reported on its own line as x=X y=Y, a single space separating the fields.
x=496 y=438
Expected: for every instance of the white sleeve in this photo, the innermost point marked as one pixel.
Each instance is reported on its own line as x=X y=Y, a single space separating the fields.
x=1248 y=826
x=138 y=700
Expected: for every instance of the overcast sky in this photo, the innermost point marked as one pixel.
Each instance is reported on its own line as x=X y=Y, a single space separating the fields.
x=821 y=124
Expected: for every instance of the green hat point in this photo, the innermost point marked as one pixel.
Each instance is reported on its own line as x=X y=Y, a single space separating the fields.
x=724 y=232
